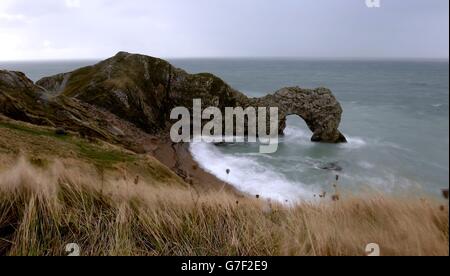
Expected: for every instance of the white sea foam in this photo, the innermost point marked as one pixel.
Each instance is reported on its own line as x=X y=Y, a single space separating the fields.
x=366 y=165
x=303 y=137
x=296 y=132
x=354 y=143
x=255 y=154
x=387 y=181
x=248 y=175
x=253 y=173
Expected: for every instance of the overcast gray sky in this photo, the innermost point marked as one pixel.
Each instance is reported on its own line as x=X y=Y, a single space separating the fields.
x=74 y=29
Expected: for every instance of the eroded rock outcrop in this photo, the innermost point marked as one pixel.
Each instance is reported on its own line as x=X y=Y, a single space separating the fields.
x=142 y=90
x=318 y=108
x=20 y=98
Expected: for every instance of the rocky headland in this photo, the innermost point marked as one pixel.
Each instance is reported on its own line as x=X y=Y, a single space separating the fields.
x=127 y=100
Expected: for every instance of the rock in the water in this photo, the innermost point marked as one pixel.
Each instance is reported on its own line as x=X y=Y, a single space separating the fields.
x=333 y=166
x=318 y=108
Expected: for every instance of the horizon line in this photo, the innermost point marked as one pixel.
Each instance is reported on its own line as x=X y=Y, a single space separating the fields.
x=246 y=57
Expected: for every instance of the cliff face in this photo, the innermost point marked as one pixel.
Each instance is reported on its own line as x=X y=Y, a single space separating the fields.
x=141 y=91
x=20 y=98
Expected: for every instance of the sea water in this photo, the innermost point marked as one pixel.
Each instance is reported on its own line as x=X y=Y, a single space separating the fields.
x=396 y=119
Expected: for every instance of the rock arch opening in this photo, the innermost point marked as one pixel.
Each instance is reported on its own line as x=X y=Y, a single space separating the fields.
x=296 y=125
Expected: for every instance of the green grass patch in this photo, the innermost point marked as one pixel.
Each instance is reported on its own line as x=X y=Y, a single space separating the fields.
x=102 y=157
x=32 y=131
x=91 y=152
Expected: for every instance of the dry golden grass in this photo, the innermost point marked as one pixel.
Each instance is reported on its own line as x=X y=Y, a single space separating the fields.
x=42 y=210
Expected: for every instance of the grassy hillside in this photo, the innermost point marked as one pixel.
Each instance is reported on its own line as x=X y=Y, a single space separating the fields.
x=43 y=210
x=56 y=190
x=42 y=146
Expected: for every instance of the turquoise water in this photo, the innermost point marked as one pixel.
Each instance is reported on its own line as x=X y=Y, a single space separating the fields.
x=396 y=116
